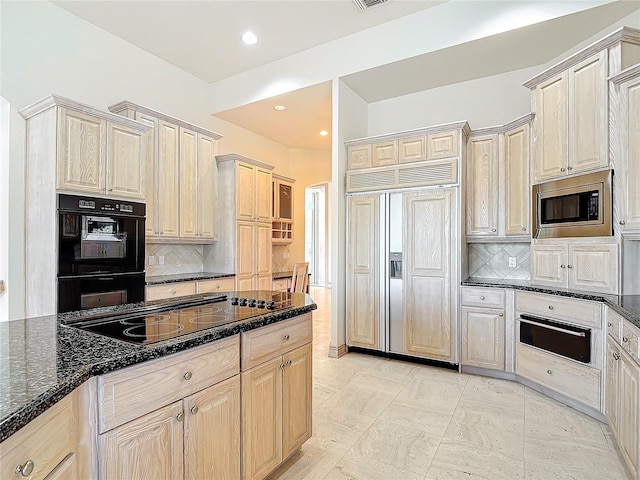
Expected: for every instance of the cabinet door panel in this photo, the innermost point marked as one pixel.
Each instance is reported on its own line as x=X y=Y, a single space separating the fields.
x=125 y=162
x=363 y=280
x=245 y=248
x=588 y=121
x=212 y=434
x=442 y=145
x=548 y=265
x=612 y=398
x=384 y=153
x=412 y=149
x=263 y=249
x=207 y=205
x=245 y=192
x=149 y=447
x=263 y=195
x=358 y=157
x=188 y=183
x=245 y=283
x=551 y=128
x=517 y=195
x=594 y=268
x=629 y=380
x=482 y=194
x=168 y=175
x=483 y=338
x=296 y=399
x=82 y=145
x=261 y=419
x=428 y=325
x=150 y=174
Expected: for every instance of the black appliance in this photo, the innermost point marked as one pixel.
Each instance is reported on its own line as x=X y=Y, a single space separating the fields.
x=100 y=252
x=570 y=341
x=161 y=323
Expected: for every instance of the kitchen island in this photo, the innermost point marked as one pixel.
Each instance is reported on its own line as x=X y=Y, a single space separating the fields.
x=44 y=361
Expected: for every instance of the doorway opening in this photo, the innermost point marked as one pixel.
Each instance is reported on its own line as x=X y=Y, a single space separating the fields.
x=316 y=234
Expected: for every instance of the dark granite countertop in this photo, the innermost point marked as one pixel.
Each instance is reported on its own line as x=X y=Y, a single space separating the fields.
x=185 y=277
x=42 y=359
x=626 y=305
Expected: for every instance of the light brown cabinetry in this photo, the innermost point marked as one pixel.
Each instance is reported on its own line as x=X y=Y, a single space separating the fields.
x=47 y=447
x=483 y=328
x=176 y=417
x=482 y=185
x=515 y=162
x=276 y=394
x=183 y=181
x=244 y=246
x=590 y=267
x=181 y=289
x=282 y=198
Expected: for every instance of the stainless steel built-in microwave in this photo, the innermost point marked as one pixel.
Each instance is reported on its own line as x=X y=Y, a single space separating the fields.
x=578 y=206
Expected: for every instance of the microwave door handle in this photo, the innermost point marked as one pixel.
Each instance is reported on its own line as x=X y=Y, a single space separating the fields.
x=551 y=327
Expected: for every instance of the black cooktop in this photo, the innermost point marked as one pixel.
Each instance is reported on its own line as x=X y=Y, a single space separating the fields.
x=143 y=328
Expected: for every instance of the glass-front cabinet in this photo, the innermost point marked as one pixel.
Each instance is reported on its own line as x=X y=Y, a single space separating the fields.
x=282 y=224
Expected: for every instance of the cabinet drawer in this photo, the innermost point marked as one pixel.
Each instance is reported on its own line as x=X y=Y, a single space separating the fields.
x=170 y=290
x=483 y=297
x=264 y=343
x=216 y=285
x=581 y=312
x=614 y=325
x=137 y=390
x=46 y=441
x=580 y=382
x=281 y=285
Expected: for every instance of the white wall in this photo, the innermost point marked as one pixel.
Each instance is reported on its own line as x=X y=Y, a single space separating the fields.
x=4 y=206
x=44 y=50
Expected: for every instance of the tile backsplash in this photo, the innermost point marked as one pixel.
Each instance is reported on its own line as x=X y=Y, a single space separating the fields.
x=278 y=261
x=491 y=260
x=177 y=259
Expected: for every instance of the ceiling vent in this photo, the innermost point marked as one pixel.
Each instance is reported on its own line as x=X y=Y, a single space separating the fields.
x=364 y=4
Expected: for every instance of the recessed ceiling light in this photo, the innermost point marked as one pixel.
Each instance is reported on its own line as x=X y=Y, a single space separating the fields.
x=250 y=38
x=280 y=107
x=324 y=133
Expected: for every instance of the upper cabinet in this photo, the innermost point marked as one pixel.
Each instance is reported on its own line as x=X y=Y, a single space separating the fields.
x=625 y=148
x=282 y=198
x=182 y=178
x=570 y=102
x=416 y=158
x=497 y=182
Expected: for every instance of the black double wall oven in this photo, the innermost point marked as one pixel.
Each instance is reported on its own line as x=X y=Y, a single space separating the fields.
x=100 y=252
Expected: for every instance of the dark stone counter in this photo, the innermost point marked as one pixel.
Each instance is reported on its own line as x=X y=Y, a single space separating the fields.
x=42 y=359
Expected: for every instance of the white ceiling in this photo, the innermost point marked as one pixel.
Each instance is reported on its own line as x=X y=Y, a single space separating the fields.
x=203 y=38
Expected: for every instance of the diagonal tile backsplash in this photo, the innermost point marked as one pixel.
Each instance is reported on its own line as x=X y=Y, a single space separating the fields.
x=491 y=260
x=177 y=259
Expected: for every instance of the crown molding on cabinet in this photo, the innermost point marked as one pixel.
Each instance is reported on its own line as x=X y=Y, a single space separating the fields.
x=623 y=34
x=625 y=75
x=283 y=178
x=58 y=101
x=126 y=105
x=463 y=125
x=231 y=157
x=498 y=129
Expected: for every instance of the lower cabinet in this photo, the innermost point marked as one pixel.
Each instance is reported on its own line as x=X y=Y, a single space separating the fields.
x=181 y=289
x=483 y=338
x=623 y=401
x=276 y=394
x=46 y=447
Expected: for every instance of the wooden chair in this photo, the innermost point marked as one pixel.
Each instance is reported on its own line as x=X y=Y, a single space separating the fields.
x=300 y=277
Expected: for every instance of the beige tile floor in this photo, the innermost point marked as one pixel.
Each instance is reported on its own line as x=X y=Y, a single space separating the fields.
x=375 y=418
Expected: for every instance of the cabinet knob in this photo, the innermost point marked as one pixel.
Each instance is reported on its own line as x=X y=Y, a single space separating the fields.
x=569 y=168
x=609 y=324
x=622 y=222
x=493 y=229
x=26 y=469
x=282 y=365
x=625 y=339
x=562 y=169
x=194 y=409
x=481 y=297
x=501 y=314
x=569 y=266
x=616 y=356
x=562 y=265
x=180 y=416
x=524 y=229
x=173 y=292
x=289 y=363
x=550 y=307
x=286 y=337
x=549 y=372
x=188 y=375
x=110 y=190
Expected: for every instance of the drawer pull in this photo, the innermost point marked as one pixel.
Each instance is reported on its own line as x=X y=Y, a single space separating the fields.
x=569 y=266
x=549 y=372
x=562 y=169
x=173 y=292
x=188 y=375
x=180 y=416
x=562 y=265
x=616 y=356
x=286 y=337
x=501 y=314
x=550 y=307
x=609 y=324
x=194 y=409
x=289 y=363
x=26 y=469
x=481 y=297
x=282 y=365
x=622 y=222
x=493 y=229
x=551 y=327
x=524 y=229
x=625 y=339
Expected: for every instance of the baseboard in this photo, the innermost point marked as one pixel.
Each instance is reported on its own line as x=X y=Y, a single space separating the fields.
x=337 y=352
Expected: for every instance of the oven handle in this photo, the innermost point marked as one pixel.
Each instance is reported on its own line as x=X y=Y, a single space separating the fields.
x=551 y=327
